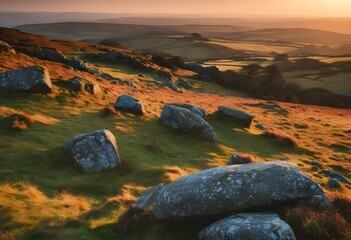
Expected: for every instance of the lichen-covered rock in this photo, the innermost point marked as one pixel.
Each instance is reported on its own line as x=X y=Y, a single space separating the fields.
x=249 y=226
x=130 y=104
x=184 y=120
x=237 y=115
x=94 y=152
x=34 y=79
x=147 y=197
x=80 y=84
x=233 y=188
x=199 y=111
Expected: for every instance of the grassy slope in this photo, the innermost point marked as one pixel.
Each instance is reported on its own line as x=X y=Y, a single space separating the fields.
x=44 y=196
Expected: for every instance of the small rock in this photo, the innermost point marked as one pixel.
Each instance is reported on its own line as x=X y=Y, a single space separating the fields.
x=249 y=226
x=238 y=115
x=130 y=104
x=240 y=159
x=80 y=84
x=94 y=152
x=4 y=47
x=131 y=84
x=260 y=126
x=335 y=175
x=317 y=164
x=334 y=183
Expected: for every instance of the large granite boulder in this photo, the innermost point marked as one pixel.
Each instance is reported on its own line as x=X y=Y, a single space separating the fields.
x=249 y=226
x=185 y=120
x=34 y=79
x=237 y=115
x=80 y=84
x=233 y=188
x=130 y=104
x=94 y=152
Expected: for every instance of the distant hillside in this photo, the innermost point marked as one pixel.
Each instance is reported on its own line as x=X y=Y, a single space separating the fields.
x=86 y=30
x=310 y=50
x=301 y=35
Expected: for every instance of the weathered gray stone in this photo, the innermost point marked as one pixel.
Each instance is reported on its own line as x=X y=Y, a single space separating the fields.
x=94 y=152
x=249 y=226
x=184 y=120
x=130 y=104
x=233 y=188
x=238 y=115
x=81 y=84
x=146 y=199
x=34 y=79
x=199 y=111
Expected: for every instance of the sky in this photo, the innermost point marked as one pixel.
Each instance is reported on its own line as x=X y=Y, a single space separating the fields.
x=322 y=8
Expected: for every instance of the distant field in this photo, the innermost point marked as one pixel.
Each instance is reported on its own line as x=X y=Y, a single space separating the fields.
x=339 y=83
x=234 y=65
x=326 y=59
x=178 y=47
x=256 y=47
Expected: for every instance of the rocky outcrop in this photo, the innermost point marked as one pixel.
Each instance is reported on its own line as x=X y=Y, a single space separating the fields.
x=185 y=120
x=237 y=115
x=130 y=104
x=249 y=226
x=94 y=152
x=34 y=79
x=80 y=84
x=234 y=188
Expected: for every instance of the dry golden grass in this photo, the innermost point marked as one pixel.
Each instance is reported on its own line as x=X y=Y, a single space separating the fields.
x=172 y=173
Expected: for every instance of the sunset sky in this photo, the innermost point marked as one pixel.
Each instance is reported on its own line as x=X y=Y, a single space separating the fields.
x=329 y=8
